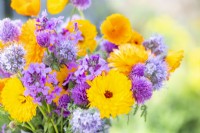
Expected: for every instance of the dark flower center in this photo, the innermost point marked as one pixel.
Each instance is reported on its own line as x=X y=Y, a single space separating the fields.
x=108 y=94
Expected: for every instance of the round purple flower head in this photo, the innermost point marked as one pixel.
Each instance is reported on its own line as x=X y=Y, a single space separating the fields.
x=63 y=101
x=79 y=94
x=156 y=45
x=43 y=38
x=137 y=70
x=108 y=46
x=86 y=121
x=156 y=71
x=9 y=31
x=81 y=4
x=142 y=89
x=12 y=59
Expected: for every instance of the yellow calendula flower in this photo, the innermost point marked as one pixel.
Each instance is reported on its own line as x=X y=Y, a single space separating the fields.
x=2 y=84
x=174 y=59
x=111 y=94
x=126 y=56
x=56 y=6
x=26 y=7
x=116 y=29
x=21 y=108
x=1 y=45
x=89 y=34
x=136 y=38
x=34 y=53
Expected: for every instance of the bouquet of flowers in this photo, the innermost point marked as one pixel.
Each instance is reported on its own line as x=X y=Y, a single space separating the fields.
x=60 y=76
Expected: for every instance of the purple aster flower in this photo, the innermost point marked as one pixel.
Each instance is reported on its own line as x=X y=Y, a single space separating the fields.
x=79 y=94
x=81 y=4
x=35 y=79
x=137 y=70
x=108 y=46
x=9 y=31
x=156 y=71
x=86 y=121
x=12 y=59
x=43 y=38
x=90 y=67
x=142 y=89
x=156 y=45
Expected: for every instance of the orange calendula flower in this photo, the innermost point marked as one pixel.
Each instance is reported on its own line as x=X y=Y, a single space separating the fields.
x=56 y=6
x=26 y=7
x=116 y=29
x=136 y=38
x=89 y=34
x=124 y=58
x=173 y=59
x=34 y=53
x=2 y=84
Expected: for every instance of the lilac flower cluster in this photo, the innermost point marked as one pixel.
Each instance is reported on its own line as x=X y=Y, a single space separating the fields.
x=61 y=44
x=90 y=67
x=12 y=59
x=156 y=45
x=36 y=79
x=9 y=30
x=86 y=121
x=81 y=4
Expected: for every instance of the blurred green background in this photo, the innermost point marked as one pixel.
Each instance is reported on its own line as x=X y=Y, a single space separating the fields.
x=176 y=107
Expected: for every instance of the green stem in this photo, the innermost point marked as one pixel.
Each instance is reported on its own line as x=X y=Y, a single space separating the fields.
x=31 y=125
x=42 y=111
x=48 y=108
x=54 y=125
x=72 y=13
x=61 y=125
x=26 y=126
x=81 y=14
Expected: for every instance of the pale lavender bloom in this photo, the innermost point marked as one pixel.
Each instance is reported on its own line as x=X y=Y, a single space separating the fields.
x=3 y=128
x=90 y=67
x=4 y=74
x=78 y=94
x=156 y=45
x=142 y=89
x=156 y=71
x=35 y=79
x=86 y=121
x=81 y=4
x=9 y=31
x=12 y=59
x=108 y=46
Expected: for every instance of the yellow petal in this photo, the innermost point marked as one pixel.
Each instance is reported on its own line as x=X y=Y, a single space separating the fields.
x=173 y=59
x=56 y=6
x=26 y=7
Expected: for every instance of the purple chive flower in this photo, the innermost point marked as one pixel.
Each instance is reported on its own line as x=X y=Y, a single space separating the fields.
x=63 y=101
x=156 y=45
x=137 y=70
x=90 y=67
x=79 y=94
x=142 y=89
x=35 y=79
x=86 y=121
x=9 y=31
x=12 y=59
x=81 y=4
x=156 y=71
x=108 y=46
x=43 y=38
